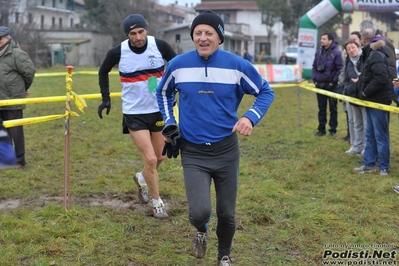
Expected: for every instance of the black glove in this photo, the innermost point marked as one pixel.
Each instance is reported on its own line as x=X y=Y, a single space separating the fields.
x=105 y=104
x=172 y=148
x=4 y=135
x=171 y=132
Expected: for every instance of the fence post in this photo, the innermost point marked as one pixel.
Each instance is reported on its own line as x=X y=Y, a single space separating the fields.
x=67 y=139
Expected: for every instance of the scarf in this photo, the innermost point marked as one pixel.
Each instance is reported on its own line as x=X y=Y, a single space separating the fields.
x=354 y=61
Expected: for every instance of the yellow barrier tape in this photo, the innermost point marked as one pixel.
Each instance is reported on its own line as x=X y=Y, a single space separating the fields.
x=55 y=74
x=53 y=99
x=79 y=101
x=31 y=120
x=345 y=98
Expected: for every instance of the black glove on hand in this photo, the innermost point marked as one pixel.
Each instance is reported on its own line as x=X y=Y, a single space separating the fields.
x=171 y=132
x=4 y=135
x=105 y=104
x=172 y=148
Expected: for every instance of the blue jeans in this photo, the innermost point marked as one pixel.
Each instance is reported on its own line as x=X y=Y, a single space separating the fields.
x=377 y=138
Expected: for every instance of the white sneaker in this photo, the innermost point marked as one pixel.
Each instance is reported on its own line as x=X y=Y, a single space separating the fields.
x=159 y=211
x=350 y=150
x=225 y=261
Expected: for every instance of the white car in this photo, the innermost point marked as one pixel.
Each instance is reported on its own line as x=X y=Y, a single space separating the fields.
x=292 y=53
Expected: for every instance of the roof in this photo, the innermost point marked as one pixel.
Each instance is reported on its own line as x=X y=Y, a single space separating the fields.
x=178 y=26
x=67 y=40
x=227 y=5
x=178 y=11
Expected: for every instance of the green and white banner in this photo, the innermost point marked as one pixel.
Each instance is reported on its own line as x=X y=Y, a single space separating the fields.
x=308 y=41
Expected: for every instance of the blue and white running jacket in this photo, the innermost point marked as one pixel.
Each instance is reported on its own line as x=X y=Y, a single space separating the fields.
x=210 y=92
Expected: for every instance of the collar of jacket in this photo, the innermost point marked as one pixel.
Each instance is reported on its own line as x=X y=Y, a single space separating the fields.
x=213 y=57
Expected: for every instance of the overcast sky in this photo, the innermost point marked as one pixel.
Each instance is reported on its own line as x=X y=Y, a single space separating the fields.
x=180 y=2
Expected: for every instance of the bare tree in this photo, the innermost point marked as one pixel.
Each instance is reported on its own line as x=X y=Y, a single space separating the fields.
x=272 y=11
x=108 y=15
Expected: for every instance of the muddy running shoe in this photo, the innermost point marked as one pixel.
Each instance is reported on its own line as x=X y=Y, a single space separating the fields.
x=159 y=211
x=396 y=189
x=199 y=244
x=144 y=196
x=225 y=261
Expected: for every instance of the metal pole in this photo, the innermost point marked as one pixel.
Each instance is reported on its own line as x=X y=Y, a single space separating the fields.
x=67 y=139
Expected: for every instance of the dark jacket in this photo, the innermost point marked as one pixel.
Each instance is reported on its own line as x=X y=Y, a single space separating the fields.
x=16 y=75
x=375 y=79
x=352 y=89
x=332 y=62
x=392 y=65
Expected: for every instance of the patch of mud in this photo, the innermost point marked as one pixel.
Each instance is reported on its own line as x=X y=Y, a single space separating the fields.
x=122 y=201
x=125 y=201
x=9 y=204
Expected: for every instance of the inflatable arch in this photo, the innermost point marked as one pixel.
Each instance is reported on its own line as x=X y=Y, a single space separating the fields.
x=321 y=13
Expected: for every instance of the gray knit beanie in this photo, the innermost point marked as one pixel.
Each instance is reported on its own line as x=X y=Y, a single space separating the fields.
x=134 y=21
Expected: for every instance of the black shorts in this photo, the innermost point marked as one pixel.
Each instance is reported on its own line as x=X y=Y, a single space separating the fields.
x=152 y=122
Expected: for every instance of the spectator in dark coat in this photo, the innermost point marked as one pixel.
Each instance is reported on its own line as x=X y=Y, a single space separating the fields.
x=327 y=66
x=283 y=59
x=16 y=76
x=375 y=81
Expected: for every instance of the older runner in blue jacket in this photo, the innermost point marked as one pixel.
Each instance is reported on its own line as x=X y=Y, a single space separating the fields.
x=211 y=84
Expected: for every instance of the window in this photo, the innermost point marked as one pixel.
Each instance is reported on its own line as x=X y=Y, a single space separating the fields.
x=264 y=18
x=30 y=18
x=53 y=22
x=262 y=52
x=60 y=23
x=264 y=47
x=16 y=17
x=42 y=22
x=225 y=17
x=71 y=23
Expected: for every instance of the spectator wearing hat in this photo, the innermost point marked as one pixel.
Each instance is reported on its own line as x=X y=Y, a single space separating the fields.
x=211 y=84
x=16 y=76
x=140 y=59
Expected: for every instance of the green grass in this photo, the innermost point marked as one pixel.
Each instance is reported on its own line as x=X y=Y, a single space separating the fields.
x=297 y=193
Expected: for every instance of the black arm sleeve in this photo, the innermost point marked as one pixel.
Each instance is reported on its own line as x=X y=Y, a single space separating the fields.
x=166 y=50
x=112 y=58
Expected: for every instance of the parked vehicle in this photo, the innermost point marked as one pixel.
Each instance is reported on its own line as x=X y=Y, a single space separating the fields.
x=292 y=53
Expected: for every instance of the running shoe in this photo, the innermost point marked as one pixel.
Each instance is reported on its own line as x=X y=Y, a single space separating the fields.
x=144 y=196
x=159 y=211
x=225 y=261
x=365 y=169
x=199 y=244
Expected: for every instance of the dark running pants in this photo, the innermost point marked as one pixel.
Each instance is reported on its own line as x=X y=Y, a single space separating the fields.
x=201 y=164
x=322 y=102
x=16 y=133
